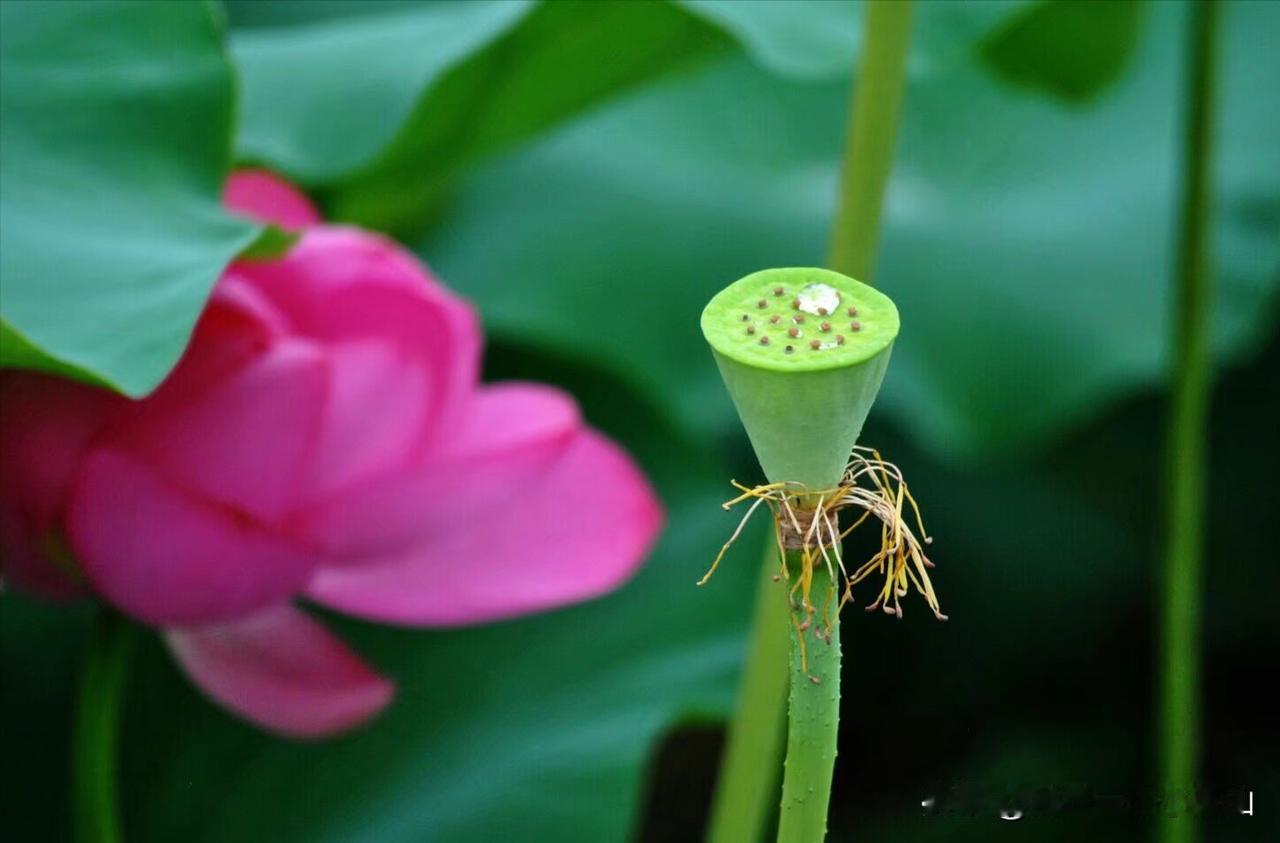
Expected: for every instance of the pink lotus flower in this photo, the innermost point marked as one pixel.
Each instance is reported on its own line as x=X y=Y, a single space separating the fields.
x=323 y=437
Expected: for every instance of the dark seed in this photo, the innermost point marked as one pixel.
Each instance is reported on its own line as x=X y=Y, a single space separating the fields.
x=795 y=304
x=762 y=304
x=853 y=311
x=793 y=332
x=855 y=325
x=815 y=344
x=839 y=339
x=777 y=291
x=822 y=311
x=751 y=329
x=745 y=318
x=764 y=340
x=775 y=319
x=824 y=327
x=790 y=349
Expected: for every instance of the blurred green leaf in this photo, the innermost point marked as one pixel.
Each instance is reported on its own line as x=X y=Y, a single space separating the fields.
x=17 y=352
x=115 y=134
x=804 y=38
x=1070 y=49
x=271 y=242
x=323 y=97
x=381 y=107
x=1029 y=247
x=819 y=39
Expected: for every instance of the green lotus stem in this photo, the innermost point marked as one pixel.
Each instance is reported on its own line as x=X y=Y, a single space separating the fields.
x=750 y=760
x=802 y=352
x=1185 y=457
x=871 y=136
x=749 y=770
x=814 y=715
x=97 y=719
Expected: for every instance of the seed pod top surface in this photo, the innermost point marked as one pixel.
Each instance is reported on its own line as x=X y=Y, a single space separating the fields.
x=802 y=352
x=825 y=320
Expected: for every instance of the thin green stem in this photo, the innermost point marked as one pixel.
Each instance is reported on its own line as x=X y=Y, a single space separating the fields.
x=95 y=813
x=871 y=137
x=749 y=769
x=1186 y=460
x=814 y=716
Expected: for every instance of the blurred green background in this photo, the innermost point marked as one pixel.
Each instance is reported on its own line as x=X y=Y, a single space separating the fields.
x=561 y=161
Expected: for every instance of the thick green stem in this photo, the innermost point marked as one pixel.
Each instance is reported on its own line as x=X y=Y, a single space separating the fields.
x=871 y=137
x=1185 y=458
x=814 y=717
x=749 y=770
x=95 y=814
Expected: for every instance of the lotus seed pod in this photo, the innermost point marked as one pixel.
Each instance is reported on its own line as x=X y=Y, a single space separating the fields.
x=803 y=408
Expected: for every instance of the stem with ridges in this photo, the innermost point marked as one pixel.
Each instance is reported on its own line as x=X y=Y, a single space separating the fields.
x=749 y=769
x=96 y=738
x=813 y=711
x=1185 y=458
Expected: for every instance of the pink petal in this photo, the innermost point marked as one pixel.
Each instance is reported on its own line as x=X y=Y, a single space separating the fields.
x=238 y=307
x=342 y=285
x=245 y=437
x=45 y=425
x=579 y=533
x=264 y=196
x=168 y=556
x=283 y=671
x=511 y=435
x=380 y=403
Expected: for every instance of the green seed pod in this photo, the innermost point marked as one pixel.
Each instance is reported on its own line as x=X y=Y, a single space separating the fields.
x=802 y=352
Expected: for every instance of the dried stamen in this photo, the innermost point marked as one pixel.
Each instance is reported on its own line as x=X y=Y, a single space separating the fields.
x=870 y=486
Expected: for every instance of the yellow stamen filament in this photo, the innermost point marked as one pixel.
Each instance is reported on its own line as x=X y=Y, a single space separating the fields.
x=875 y=488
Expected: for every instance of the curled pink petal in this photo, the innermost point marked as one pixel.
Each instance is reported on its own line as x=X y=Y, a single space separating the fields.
x=246 y=438
x=511 y=434
x=579 y=533
x=266 y=197
x=169 y=557
x=380 y=404
x=45 y=425
x=340 y=285
x=282 y=670
x=238 y=310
